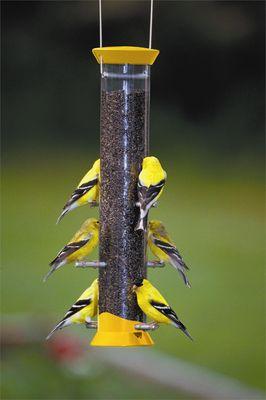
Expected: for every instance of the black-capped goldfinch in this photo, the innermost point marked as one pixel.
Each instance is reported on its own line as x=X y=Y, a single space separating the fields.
x=82 y=310
x=87 y=191
x=82 y=244
x=150 y=187
x=164 y=248
x=154 y=305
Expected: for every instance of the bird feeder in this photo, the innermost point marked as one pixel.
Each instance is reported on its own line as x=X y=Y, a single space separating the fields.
x=124 y=142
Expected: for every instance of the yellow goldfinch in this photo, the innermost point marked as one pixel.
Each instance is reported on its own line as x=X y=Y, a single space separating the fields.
x=164 y=249
x=86 y=192
x=150 y=187
x=154 y=305
x=82 y=310
x=82 y=243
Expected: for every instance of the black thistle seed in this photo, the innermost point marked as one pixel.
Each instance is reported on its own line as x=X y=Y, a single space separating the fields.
x=123 y=147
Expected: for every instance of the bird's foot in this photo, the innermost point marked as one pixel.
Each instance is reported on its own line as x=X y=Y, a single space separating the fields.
x=152 y=326
x=91 y=264
x=91 y=325
x=155 y=264
x=94 y=204
x=155 y=204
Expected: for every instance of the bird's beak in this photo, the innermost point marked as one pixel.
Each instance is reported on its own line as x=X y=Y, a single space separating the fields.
x=134 y=287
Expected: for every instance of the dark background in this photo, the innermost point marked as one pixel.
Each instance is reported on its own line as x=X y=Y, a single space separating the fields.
x=207 y=127
x=209 y=76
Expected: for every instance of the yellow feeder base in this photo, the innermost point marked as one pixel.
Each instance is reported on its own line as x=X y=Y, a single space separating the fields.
x=119 y=332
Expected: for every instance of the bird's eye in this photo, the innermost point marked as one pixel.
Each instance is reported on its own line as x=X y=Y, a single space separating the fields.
x=139 y=282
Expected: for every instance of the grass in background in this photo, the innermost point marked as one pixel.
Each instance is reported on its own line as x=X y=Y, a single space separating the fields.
x=30 y=374
x=215 y=216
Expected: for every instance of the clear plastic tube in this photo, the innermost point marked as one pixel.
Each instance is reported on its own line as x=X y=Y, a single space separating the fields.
x=125 y=102
x=132 y=84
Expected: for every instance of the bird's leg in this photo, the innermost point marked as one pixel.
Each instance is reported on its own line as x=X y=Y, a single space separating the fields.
x=94 y=204
x=143 y=326
x=91 y=325
x=92 y=264
x=155 y=264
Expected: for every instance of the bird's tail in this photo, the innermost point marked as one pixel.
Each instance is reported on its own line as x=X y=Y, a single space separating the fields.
x=185 y=279
x=182 y=327
x=63 y=213
x=177 y=260
x=176 y=263
x=53 y=268
x=142 y=223
x=60 y=325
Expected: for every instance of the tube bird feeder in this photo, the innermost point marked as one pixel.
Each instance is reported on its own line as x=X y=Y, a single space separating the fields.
x=124 y=142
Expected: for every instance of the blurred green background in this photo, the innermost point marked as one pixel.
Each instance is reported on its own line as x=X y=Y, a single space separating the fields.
x=207 y=127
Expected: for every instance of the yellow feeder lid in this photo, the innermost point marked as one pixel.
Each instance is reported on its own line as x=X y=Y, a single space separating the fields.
x=125 y=55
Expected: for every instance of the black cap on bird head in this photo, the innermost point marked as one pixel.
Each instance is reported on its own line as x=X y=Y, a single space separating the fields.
x=138 y=282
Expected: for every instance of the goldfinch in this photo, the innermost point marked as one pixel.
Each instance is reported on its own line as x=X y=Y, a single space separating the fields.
x=87 y=191
x=82 y=243
x=154 y=305
x=164 y=249
x=150 y=187
x=82 y=310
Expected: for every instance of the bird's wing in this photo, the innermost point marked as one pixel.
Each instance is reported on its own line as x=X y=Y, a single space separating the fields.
x=69 y=249
x=147 y=195
x=170 y=250
x=165 y=310
x=169 y=313
x=162 y=232
x=79 y=305
x=81 y=191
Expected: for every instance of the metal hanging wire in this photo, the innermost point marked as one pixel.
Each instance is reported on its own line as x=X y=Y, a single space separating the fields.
x=101 y=32
x=151 y=22
x=101 y=25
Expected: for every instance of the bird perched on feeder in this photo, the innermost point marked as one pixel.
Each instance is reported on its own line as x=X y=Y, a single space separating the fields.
x=87 y=191
x=82 y=244
x=154 y=305
x=82 y=310
x=164 y=248
x=150 y=187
